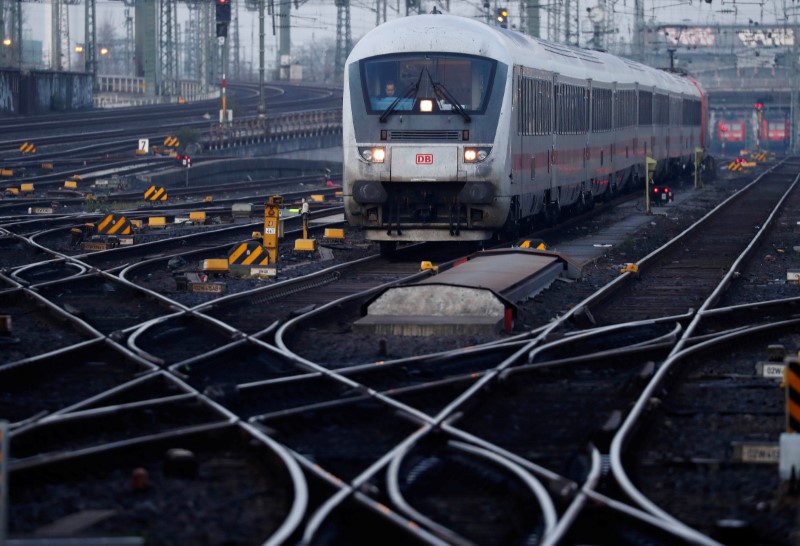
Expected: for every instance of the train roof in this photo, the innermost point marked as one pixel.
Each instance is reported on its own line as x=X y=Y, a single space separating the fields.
x=455 y=34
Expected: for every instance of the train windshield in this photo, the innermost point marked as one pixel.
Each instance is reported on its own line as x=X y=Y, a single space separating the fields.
x=427 y=83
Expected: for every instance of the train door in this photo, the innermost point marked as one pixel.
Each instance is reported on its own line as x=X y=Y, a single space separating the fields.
x=522 y=147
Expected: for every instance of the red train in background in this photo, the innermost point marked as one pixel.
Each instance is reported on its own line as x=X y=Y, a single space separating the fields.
x=731 y=131
x=774 y=135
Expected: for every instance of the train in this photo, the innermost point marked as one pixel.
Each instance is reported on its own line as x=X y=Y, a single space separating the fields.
x=774 y=136
x=490 y=130
x=732 y=131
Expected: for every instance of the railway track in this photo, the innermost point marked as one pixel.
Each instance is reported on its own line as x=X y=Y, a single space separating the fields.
x=516 y=440
x=680 y=276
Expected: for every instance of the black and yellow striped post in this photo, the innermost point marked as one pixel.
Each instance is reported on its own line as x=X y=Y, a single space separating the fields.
x=114 y=225
x=172 y=142
x=789 y=445
x=792 y=371
x=28 y=148
x=155 y=194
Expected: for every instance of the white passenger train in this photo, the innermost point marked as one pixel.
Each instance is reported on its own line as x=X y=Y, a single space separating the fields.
x=489 y=129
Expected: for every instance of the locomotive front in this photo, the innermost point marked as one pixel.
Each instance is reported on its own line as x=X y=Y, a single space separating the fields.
x=421 y=131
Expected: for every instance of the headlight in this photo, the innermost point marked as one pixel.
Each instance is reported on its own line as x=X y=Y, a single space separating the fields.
x=476 y=155
x=373 y=155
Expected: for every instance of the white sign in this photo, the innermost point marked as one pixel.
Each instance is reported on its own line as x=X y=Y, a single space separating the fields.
x=772 y=370
x=144 y=145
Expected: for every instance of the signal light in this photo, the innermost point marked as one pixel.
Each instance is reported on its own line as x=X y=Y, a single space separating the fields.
x=758 y=106
x=223 y=11
x=502 y=17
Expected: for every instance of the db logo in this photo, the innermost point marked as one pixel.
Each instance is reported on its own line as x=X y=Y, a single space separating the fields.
x=424 y=159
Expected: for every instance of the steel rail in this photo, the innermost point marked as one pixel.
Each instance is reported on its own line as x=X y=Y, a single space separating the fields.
x=533 y=485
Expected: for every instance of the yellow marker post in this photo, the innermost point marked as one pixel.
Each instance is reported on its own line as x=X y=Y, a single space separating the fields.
x=272 y=213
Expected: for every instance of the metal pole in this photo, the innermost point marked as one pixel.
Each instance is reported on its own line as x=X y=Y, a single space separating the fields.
x=793 y=107
x=262 y=108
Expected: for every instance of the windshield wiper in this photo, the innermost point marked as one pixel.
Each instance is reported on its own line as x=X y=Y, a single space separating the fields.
x=410 y=92
x=442 y=92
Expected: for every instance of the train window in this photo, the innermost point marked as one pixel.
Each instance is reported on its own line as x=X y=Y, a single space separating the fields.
x=625 y=109
x=451 y=81
x=645 y=108
x=571 y=109
x=535 y=106
x=661 y=109
x=601 y=110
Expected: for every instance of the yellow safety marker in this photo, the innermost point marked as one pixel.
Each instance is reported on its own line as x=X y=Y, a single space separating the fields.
x=71 y=184
x=114 y=225
x=6 y=172
x=249 y=253
x=630 y=268
x=157 y=222
x=28 y=148
x=197 y=216
x=334 y=233
x=305 y=245
x=26 y=188
x=533 y=244
x=155 y=194
x=171 y=142
x=215 y=265
x=426 y=266
x=318 y=198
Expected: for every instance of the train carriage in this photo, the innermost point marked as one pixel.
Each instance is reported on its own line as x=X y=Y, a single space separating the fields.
x=490 y=129
x=775 y=135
